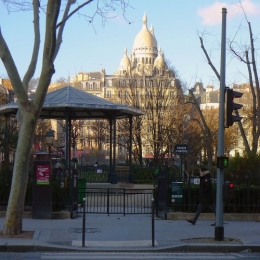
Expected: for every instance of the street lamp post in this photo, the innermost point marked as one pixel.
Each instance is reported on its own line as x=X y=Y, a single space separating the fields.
x=49 y=139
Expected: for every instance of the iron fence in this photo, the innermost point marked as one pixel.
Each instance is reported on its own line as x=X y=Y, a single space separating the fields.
x=115 y=200
x=246 y=196
x=132 y=201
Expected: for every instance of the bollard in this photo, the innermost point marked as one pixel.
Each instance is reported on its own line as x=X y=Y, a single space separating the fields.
x=83 y=223
x=152 y=221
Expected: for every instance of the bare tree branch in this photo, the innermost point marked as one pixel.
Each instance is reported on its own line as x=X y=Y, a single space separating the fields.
x=32 y=67
x=208 y=59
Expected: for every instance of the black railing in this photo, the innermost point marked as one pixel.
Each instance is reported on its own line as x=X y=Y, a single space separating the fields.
x=116 y=200
x=246 y=197
x=132 y=201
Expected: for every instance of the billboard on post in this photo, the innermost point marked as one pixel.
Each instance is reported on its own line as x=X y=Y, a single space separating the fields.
x=43 y=174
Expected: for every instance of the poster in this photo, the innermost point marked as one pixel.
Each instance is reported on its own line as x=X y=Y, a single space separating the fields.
x=42 y=174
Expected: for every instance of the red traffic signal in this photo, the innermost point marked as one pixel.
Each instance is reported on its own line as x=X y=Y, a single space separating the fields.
x=231 y=185
x=229 y=190
x=230 y=106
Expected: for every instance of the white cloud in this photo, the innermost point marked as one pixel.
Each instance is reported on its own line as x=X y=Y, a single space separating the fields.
x=211 y=15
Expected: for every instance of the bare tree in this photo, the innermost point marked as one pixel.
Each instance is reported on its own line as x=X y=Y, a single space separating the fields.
x=208 y=140
x=40 y=131
x=99 y=133
x=161 y=96
x=59 y=83
x=29 y=110
x=247 y=55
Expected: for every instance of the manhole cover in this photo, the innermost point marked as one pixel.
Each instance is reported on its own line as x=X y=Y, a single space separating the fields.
x=87 y=230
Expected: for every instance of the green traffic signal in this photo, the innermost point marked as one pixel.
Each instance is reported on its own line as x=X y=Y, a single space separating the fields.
x=222 y=162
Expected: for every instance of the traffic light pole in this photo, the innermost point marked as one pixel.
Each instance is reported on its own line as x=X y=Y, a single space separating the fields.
x=219 y=229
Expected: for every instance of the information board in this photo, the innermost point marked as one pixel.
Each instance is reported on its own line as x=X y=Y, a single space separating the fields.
x=177 y=192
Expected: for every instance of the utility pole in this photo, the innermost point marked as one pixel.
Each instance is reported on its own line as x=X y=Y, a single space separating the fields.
x=219 y=229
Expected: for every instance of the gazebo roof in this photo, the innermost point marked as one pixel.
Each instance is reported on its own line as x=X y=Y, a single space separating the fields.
x=77 y=104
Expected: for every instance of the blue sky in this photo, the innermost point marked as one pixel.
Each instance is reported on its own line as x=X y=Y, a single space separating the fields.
x=177 y=26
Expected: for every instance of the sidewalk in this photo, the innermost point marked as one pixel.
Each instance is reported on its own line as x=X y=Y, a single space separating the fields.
x=131 y=233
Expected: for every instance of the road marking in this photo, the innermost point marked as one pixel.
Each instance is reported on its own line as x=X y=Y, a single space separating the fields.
x=137 y=255
x=133 y=243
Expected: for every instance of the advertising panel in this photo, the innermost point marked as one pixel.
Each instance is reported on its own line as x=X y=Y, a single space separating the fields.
x=42 y=174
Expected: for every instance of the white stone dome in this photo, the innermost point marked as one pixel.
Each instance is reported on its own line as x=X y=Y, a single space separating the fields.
x=145 y=39
x=125 y=61
x=125 y=64
x=159 y=62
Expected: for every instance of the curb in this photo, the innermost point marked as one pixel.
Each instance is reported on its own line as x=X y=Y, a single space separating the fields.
x=202 y=248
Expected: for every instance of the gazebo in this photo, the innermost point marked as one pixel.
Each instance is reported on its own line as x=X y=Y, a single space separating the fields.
x=70 y=103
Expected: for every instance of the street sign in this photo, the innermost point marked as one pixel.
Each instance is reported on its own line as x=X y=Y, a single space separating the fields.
x=222 y=162
x=196 y=181
x=181 y=149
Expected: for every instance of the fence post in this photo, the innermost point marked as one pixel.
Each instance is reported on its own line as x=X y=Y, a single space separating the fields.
x=108 y=202
x=152 y=222
x=124 y=200
x=83 y=224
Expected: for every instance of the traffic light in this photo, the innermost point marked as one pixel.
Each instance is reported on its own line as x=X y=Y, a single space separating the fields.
x=229 y=190
x=230 y=106
x=222 y=162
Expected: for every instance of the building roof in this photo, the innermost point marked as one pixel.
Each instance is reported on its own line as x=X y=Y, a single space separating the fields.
x=77 y=104
x=95 y=75
x=145 y=39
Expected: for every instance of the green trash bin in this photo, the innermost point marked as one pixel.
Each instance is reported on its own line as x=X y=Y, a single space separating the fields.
x=81 y=189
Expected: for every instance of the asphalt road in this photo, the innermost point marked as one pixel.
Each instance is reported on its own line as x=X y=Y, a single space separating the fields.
x=129 y=256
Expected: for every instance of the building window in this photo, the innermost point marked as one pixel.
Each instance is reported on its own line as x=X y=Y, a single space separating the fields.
x=109 y=93
x=90 y=86
x=208 y=98
x=148 y=94
x=109 y=83
x=120 y=94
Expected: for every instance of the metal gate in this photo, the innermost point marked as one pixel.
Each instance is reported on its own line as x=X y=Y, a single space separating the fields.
x=116 y=200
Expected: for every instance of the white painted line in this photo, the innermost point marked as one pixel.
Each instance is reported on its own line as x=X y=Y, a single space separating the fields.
x=133 y=243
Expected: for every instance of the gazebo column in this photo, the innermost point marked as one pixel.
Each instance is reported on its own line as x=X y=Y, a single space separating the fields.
x=110 y=148
x=67 y=138
x=112 y=154
x=73 y=175
x=130 y=177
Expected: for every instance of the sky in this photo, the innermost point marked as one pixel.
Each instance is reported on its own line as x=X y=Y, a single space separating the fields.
x=89 y=47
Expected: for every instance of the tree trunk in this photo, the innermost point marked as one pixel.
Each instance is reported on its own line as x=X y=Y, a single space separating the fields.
x=14 y=214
